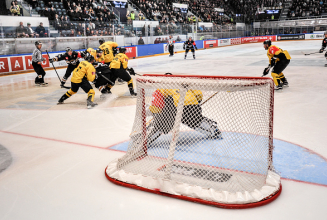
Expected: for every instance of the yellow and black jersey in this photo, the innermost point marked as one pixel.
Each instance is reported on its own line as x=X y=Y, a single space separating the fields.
x=93 y=52
x=192 y=97
x=278 y=53
x=108 y=52
x=84 y=70
x=120 y=61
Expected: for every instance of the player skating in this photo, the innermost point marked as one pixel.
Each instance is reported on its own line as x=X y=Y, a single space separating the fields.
x=84 y=73
x=37 y=59
x=324 y=44
x=105 y=80
x=97 y=54
x=72 y=59
x=170 y=45
x=119 y=69
x=189 y=45
x=278 y=60
x=109 y=49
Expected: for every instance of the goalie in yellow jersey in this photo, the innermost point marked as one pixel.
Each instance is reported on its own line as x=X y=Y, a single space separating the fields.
x=109 y=49
x=84 y=73
x=164 y=108
x=119 y=69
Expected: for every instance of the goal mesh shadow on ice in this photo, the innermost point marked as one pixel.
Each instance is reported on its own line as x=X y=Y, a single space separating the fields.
x=207 y=139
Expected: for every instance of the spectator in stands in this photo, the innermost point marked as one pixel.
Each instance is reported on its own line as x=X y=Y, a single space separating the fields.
x=79 y=28
x=57 y=22
x=41 y=30
x=141 y=16
x=21 y=31
x=14 y=9
x=156 y=41
x=79 y=34
x=46 y=12
x=91 y=26
x=52 y=14
x=178 y=39
x=113 y=17
x=30 y=31
x=72 y=33
x=132 y=15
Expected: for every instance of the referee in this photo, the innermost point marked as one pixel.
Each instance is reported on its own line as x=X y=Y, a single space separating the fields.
x=36 y=63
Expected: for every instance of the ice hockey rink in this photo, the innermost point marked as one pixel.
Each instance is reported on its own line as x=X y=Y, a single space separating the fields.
x=53 y=157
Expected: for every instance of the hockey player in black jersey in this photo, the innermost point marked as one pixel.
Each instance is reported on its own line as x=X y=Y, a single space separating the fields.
x=72 y=59
x=324 y=44
x=105 y=79
x=189 y=45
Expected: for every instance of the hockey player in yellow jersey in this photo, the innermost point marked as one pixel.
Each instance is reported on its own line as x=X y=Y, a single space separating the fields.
x=278 y=60
x=118 y=66
x=164 y=108
x=109 y=49
x=84 y=73
x=97 y=54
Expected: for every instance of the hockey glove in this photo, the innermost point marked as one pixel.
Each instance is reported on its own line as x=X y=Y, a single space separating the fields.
x=51 y=60
x=196 y=47
x=184 y=47
x=266 y=71
x=131 y=71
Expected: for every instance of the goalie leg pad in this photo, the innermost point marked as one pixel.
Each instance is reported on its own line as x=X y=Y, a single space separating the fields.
x=210 y=128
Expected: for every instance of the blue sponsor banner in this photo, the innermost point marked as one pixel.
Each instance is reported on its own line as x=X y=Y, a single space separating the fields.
x=199 y=44
x=150 y=49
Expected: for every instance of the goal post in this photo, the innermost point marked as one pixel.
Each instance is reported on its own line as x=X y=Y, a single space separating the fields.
x=207 y=139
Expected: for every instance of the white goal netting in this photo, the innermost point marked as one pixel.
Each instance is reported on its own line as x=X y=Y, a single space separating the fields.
x=202 y=137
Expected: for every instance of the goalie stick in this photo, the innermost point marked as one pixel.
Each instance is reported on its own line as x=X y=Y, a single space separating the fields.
x=62 y=86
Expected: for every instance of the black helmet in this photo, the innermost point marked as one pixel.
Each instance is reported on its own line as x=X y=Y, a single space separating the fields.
x=68 y=49
x=88 y=57
x=99 y=50
x=37 y=43
x=101 y=41
x=268 y=42
x=122 y=50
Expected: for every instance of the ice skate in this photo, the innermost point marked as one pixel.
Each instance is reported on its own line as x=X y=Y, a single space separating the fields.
x=90 y=104
x=44 y=84
x=279 y=87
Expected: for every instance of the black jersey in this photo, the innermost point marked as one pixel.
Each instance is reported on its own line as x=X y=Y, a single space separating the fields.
x=324 y=43
x=73 y=59
x=190 y=44
x=104 y=74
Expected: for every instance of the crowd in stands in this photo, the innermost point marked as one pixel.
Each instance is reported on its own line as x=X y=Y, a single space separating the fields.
x=27 y=31
x=79 y=17
x=250 y=9
x=305 y=8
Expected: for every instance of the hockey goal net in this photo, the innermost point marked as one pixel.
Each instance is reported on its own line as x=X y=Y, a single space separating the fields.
x=206 y=139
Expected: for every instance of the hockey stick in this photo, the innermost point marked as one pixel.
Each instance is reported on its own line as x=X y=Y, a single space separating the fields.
x=106 y=78
x=62 y=86
x=208 y=99
x=306 y=54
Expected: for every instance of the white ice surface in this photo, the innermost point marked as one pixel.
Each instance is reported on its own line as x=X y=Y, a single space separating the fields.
x=58 y=160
